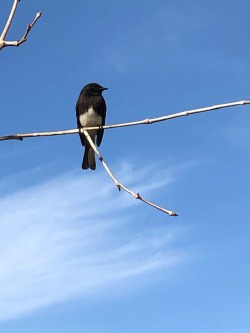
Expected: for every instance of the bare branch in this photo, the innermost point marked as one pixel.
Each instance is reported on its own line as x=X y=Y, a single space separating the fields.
x=25 y=36
x=120 y=185
x=133 y=123
x=141 y=122
x=9 y=21
x=3 y=42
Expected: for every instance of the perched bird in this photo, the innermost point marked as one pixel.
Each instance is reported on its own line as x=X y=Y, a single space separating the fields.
x=90 y=112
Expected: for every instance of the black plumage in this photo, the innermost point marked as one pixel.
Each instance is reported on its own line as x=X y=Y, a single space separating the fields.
x=90 y=112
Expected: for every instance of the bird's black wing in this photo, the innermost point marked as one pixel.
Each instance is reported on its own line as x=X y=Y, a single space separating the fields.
x=101 y=107
x=79 y=110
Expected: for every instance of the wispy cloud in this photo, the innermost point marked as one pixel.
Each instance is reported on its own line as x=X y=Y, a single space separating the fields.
x=72 y=236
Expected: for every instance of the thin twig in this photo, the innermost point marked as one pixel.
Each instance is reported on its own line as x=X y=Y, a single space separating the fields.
x=120 y=185
x=3 y=42
x=146 y=121
x=9 y=21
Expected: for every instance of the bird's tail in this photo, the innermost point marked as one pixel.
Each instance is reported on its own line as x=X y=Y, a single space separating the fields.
x=88 y=158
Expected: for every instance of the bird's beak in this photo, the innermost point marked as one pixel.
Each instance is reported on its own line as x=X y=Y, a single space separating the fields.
x=104 y=88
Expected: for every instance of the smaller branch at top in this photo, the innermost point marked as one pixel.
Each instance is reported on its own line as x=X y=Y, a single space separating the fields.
x=9 y=21
x=3 y=42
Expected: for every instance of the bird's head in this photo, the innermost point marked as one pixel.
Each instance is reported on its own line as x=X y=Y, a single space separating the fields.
x=93 y=89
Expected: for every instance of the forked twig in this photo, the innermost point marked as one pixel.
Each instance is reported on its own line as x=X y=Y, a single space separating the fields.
x=3 y=42
x=120 y=185
x=146 y=121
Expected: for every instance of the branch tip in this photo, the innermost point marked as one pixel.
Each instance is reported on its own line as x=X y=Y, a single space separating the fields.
x=173 y=214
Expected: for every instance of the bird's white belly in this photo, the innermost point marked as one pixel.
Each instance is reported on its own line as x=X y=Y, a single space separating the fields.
x=90 y=118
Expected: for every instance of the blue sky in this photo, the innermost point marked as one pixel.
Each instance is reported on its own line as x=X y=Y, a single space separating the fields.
x=76 y=255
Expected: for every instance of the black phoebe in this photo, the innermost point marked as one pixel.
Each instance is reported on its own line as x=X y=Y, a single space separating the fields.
x=90 y=112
